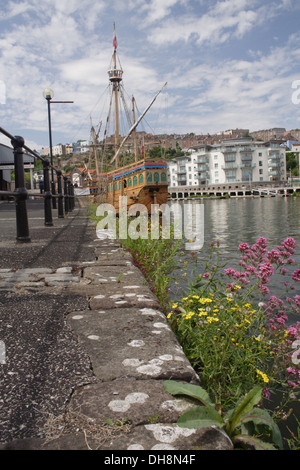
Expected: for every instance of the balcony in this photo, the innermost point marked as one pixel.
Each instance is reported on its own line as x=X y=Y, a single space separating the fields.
x=229 y=166
x=203 y=167
x=228 y=149
x=274 y=165
x=274 y=156
x=246 y=149
x=204 y=174
x=248 y=165
x=203 y=159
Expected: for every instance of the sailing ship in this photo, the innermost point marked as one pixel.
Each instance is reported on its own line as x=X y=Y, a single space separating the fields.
x=143 y=181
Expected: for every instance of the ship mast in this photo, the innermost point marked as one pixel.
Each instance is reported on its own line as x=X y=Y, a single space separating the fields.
x=134 y=132
x=115 y=77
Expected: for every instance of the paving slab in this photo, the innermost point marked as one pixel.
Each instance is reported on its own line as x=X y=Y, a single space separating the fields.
x=160 y=437
x=106 y=274
x=135 y=401
x=148 y=437
x=131 y=343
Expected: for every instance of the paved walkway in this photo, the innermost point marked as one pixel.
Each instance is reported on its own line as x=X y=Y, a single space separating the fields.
x=86 y=347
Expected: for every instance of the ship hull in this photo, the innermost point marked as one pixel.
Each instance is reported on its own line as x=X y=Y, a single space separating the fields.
x=143 y=182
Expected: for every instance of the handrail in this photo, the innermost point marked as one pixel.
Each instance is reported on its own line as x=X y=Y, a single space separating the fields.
x=32 y=152
x=65 y=191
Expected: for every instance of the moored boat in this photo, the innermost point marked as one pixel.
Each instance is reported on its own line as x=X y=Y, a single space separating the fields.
x=143 y=181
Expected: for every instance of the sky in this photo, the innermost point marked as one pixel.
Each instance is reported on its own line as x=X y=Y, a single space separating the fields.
x=228 y=64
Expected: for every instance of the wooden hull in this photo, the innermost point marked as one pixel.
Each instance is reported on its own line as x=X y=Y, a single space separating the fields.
x=143 y=182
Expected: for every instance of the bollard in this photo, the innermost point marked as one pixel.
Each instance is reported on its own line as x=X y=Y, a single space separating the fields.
x=48 y=195
x=72 y=196
x=60 y=195
x=20 y=192
x=69 y=195
x=66 y=195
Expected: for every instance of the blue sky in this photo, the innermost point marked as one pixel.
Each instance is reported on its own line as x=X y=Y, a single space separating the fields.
x=228 y=64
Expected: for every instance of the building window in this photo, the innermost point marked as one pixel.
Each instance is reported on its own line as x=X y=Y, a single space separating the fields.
x=129 y=182
x=149 y=177
x=135 y=180
x=116 y=186
x=163 y=176
x=156 y=177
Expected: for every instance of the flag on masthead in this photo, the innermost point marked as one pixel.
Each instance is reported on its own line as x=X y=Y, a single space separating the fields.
x=115 y=44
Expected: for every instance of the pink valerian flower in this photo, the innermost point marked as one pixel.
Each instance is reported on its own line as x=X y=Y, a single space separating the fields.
x=297 y=300
x=292 y=371
x=229 y=272
x=296 y=275
x=264 y=289
x=292 y=384
x=281 y=319
x=244 y=246
x=230 y=287
x=289 y=245
x=266 y=269
x=283 y=271
x=292 y=331
x=286 y=249
x=274 y=256
x=262 y=241
x=267 y=393
x=205 y=275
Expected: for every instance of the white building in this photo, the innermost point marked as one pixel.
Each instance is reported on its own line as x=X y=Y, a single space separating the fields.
x=232 y=161
x=58 y=149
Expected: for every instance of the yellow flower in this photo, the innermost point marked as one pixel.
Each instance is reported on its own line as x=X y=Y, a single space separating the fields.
x=174 y=305
x=205 y=300
x=170 y=314
x=264 y=376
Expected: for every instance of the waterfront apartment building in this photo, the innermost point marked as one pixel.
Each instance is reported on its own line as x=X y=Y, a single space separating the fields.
x=231 y=161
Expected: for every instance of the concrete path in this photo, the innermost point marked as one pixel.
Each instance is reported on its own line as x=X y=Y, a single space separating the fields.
x=87 y=348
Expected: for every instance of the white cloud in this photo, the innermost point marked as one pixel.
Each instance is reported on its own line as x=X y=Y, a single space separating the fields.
x=224 y=20
x=67 y=45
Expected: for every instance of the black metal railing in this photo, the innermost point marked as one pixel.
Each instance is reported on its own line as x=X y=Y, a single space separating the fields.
x=65 y=189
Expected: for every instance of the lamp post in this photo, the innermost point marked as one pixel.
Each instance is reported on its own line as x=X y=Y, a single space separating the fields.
x=48 y=95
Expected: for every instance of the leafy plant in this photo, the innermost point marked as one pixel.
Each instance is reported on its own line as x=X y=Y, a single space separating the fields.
x=244 y=424
x=234 y=332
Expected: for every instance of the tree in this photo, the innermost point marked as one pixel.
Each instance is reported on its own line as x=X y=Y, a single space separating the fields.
x=292 y=163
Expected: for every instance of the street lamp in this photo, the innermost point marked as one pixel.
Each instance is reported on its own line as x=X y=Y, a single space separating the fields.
x=48 y=95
